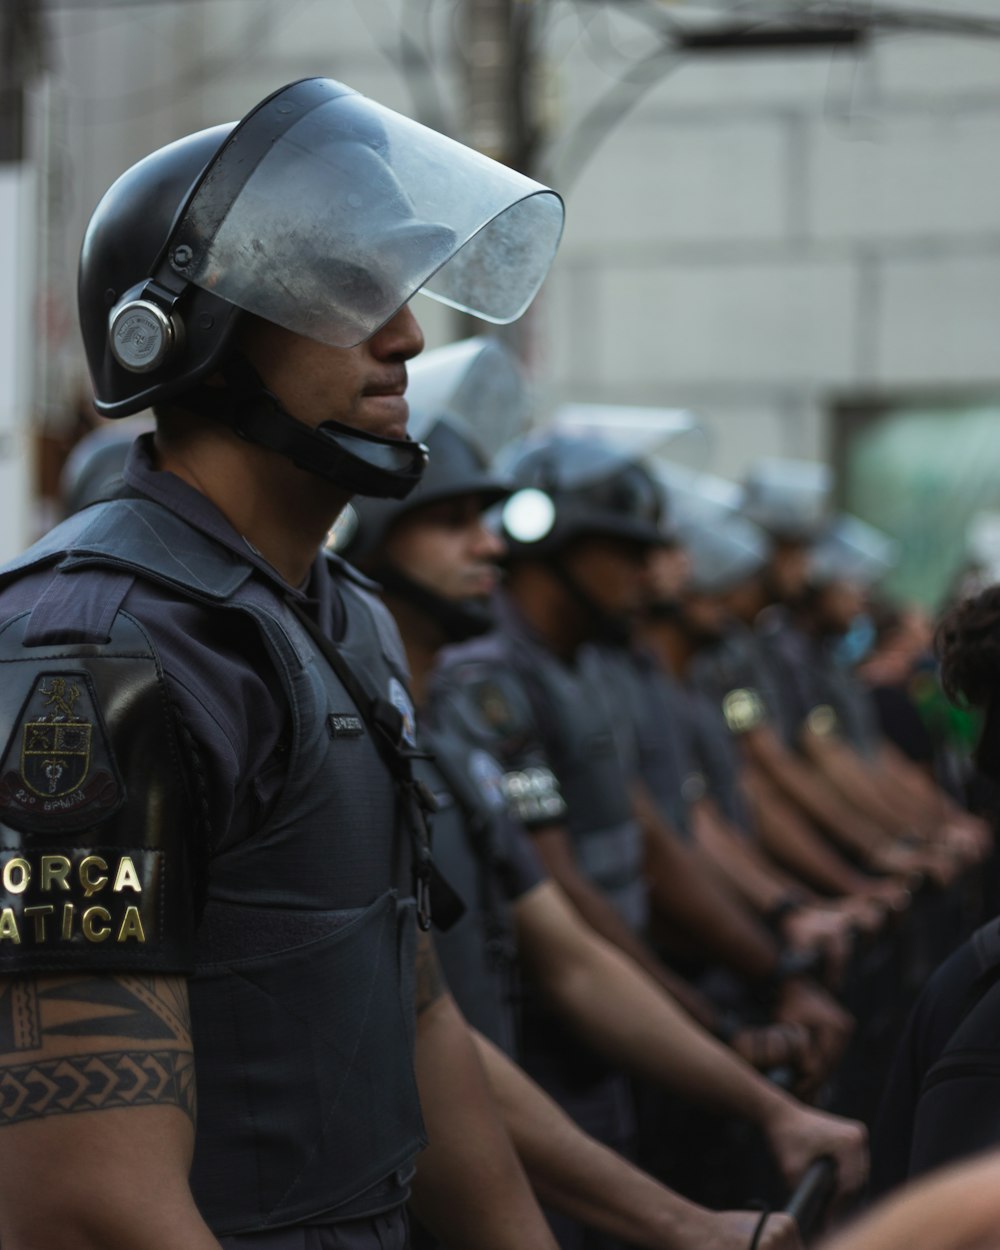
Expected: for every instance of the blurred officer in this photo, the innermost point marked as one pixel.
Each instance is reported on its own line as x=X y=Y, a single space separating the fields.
x=216 y=861
x=715 y=551
x=437 y=563
x=941 y=1100
x=574 y=570
x=830 y=631
x=757 y=687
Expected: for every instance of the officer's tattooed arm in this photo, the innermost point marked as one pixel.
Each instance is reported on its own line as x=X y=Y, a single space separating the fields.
x=97 y=1107
x=82 y=1044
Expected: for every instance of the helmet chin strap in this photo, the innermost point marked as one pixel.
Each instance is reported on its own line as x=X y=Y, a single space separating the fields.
x=458 y=619
x=664 y=609
x=602 y=625
x=359 y=462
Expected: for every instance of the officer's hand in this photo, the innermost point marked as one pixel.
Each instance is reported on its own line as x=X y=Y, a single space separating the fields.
x=968 y=838
x=800 y=1134
x=867 y=916
x=801 y=1001
x=892 y=893
x=733 y=1230
x=822 y=929
x=929 y=861
x=769 y=1046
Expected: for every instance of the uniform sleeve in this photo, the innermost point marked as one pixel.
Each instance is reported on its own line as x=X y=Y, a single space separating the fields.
x=97 y=868
x=490 y=700
x=521 y=869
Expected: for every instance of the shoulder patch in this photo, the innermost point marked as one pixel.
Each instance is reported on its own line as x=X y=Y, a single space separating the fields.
x=488 y=776
x=822 y=721
x=58 y=771
x=533 y=796
x=743 y=710
x=487 y=705
x=495 y=705
x=401 y=701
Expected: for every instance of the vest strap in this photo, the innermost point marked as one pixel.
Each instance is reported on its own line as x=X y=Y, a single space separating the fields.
x=432 y=891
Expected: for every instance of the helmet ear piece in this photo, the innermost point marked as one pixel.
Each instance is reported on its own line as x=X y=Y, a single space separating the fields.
x=143 y=333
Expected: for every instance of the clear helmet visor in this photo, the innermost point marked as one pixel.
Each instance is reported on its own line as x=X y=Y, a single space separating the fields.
x=348 y=209
x=478 y=384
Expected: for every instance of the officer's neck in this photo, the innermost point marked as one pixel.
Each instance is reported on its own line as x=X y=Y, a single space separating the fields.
x=669 y=642
x=284 y=512
x=548 y=609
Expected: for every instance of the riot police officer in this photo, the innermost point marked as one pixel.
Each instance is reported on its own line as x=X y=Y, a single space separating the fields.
x=436 y=561
x=215 y=864
x=578 y=532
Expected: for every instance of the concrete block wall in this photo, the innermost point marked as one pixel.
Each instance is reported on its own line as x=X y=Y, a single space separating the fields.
x=759 y=238
x=763 y=238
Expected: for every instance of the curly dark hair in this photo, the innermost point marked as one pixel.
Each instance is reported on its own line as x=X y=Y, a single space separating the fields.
x=967 y=643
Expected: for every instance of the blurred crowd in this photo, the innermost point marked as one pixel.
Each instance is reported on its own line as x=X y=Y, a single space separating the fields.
x=713 y=816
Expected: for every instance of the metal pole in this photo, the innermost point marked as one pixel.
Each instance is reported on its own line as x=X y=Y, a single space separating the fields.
x=21 y=49
x=498 y=50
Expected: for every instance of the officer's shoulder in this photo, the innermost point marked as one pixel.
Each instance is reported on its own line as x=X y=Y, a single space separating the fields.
x=365 y=595
x=140 y=536
x=339 y=567
x=476 y=684
x=356 y=585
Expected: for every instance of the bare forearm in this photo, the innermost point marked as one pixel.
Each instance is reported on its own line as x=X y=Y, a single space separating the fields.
x=852 y=779
x=602 y=918
x=577 y=1175
x=953 y=1209
x=707 y=911
x=739 y=862
x=795 y=843
x=814 y=792
x=470 y=1189
x=625 y=1015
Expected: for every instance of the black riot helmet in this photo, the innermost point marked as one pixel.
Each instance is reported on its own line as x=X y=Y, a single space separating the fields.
x=723 y=547
x=790 y=499
x=463 y=397
x=94 y=467
x=322 y=212
x=574 y=485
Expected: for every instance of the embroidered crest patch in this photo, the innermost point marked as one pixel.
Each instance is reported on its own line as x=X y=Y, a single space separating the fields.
x=403 y=704
x=822 y=721
x=488 y=775
x=58 y=770
x=743 y=710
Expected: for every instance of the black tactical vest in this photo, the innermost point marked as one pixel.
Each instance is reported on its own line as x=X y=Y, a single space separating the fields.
x=478 y=953
x=579 y=733
x=647 y=699
x=302 y=995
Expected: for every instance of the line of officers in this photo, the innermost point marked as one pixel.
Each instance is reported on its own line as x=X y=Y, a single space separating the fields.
x=701 y=886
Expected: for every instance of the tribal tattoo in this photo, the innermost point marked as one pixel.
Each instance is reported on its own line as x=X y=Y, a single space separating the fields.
x=71 y=1044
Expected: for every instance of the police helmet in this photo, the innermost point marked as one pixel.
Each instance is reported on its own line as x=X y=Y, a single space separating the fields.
x=94 y=466
x=723 y=547
x=852 y=551
x=455 y=393
x=462 y=398
x=322 y=212
x=571 y=486
x=789 y=498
